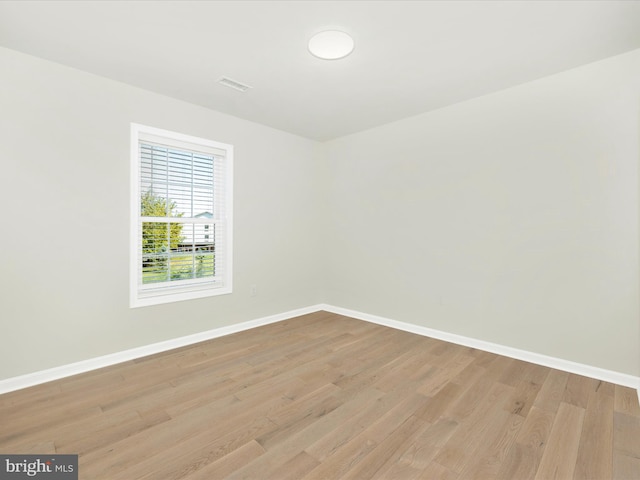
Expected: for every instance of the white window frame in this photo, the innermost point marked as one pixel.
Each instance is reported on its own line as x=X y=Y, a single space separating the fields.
x=166 y=292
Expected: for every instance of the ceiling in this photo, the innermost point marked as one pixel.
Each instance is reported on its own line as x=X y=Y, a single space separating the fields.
x=410 y=57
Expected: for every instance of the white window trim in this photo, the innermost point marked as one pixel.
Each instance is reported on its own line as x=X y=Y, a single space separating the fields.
x=197 y=289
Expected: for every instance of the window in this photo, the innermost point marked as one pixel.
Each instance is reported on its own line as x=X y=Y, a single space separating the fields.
x=180 y=217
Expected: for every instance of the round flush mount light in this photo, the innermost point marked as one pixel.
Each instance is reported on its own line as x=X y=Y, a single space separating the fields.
x=331 y=45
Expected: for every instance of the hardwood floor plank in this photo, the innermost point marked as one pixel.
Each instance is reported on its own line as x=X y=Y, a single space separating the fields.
x=523 y=397
x=403 y=367
x=418 y=452
x=388 y=450
x=435 y=470
x=345 y=458
x=559 y=457
x=226 y=465
x=524 y=457
x=552 y=391
x=111 y=428
x=469 y=374
x=626 y=401
x=11 y=402
x=284 y=451
x=472 y=432
x=221 y=416
x=476 y=392
x=578 y=389
x=530 y=385
x=445 y=373
x=520 y=462
x=350 y=428
x=595 y=454
x=626 y=439
x=489 y=458
x=195 y=453
x=625 y=467
x=324 y=396
x=514 y=373
x=298 y=415
x=435 y=406
x=295 y=468
x=185 y=400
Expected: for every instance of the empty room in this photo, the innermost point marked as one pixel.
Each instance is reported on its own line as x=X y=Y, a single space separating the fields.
x=320 y=240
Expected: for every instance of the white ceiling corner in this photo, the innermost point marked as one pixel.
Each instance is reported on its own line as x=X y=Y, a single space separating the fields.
x=409 y=58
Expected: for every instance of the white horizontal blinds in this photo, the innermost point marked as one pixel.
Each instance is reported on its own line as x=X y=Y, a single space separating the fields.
x=181 y=214
x=182 y=144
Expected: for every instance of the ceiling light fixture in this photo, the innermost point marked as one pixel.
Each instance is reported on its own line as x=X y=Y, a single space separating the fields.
x=331 y=45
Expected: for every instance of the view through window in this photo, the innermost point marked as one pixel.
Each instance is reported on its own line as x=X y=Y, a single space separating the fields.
x=182 y=232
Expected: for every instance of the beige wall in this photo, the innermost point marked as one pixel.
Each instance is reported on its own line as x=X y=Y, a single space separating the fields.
x=511 y=218
x=64 y=150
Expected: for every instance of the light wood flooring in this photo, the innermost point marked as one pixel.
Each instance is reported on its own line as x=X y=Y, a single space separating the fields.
x=328 y=397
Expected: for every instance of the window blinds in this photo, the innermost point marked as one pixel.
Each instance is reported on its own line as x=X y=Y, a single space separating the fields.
x=182 y=225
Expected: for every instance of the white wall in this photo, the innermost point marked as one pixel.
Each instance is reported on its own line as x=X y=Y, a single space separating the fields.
x=511 y=218
x=64 y=246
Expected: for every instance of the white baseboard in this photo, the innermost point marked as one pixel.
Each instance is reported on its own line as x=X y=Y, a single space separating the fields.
x=36 y=378
x=31 y=379
x=552 y=362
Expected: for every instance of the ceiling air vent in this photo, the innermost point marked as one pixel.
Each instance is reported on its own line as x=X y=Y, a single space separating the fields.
x=227 y=82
